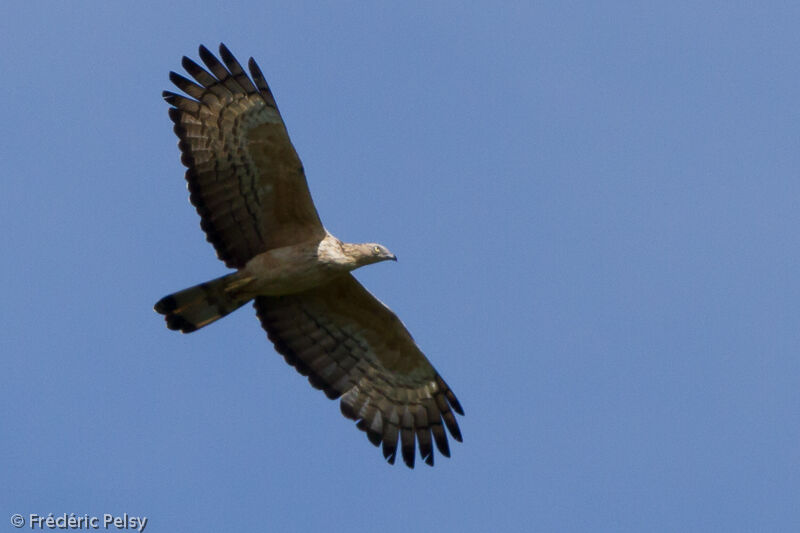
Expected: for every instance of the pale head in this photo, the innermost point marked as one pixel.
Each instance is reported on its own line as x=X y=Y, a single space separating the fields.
x=368 y=253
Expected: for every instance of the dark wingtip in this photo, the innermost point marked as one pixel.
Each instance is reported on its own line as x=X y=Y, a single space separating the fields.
x=454 y=403
x=389 y=452
x=187 y=63
x=440 y=438
x=428 y=459
x=165 y=305
x=208 y=58
x=456 y=406
x=177 y=322
x=174 y=113
x=316 y=381
x=225 y=53
x=452 y=425
x=330 y=393
x=408 y=455
x=347 y=410
x=258 y=76
x=374 y=437
x=450 y=395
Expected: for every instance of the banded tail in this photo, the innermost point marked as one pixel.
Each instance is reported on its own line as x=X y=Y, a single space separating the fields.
x=193 y=308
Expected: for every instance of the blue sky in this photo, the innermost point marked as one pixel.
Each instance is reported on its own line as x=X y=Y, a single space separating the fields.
x=595 y=206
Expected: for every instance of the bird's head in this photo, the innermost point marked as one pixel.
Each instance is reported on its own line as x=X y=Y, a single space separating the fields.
x=371 y=252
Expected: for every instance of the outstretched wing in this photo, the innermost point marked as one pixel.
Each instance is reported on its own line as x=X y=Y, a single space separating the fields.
x=349 y=344
x=244 y=176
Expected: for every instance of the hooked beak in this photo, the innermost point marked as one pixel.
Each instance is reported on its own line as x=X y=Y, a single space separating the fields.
x=393 y=257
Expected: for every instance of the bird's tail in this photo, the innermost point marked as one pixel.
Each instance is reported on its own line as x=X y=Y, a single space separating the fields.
x=191 y=309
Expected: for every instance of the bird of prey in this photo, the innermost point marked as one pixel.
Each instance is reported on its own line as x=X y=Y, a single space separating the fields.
x=249 y=188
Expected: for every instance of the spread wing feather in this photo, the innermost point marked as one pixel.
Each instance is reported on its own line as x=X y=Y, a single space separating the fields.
x=352 y=346
x=244 y=176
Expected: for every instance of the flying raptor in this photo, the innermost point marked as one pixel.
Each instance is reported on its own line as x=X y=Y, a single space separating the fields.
x=249 y=188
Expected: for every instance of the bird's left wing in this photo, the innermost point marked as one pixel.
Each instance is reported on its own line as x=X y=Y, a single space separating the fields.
x=349 y=344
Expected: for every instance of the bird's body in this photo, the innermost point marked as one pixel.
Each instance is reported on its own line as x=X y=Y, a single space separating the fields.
x=277 y=272
x=302 y=266
x=249 y=188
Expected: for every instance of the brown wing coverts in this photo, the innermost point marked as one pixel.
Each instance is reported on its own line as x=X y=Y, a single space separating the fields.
x=351 y=345
x=244 y=176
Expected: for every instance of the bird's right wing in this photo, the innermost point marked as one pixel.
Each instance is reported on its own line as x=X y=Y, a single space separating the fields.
x=244 y=175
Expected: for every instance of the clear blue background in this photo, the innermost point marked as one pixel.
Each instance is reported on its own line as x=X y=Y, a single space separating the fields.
x=596 y=208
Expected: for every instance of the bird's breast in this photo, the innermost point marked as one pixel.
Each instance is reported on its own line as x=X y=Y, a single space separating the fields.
x=289 y=270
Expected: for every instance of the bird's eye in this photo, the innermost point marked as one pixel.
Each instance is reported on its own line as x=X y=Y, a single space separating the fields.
x=376 y=250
